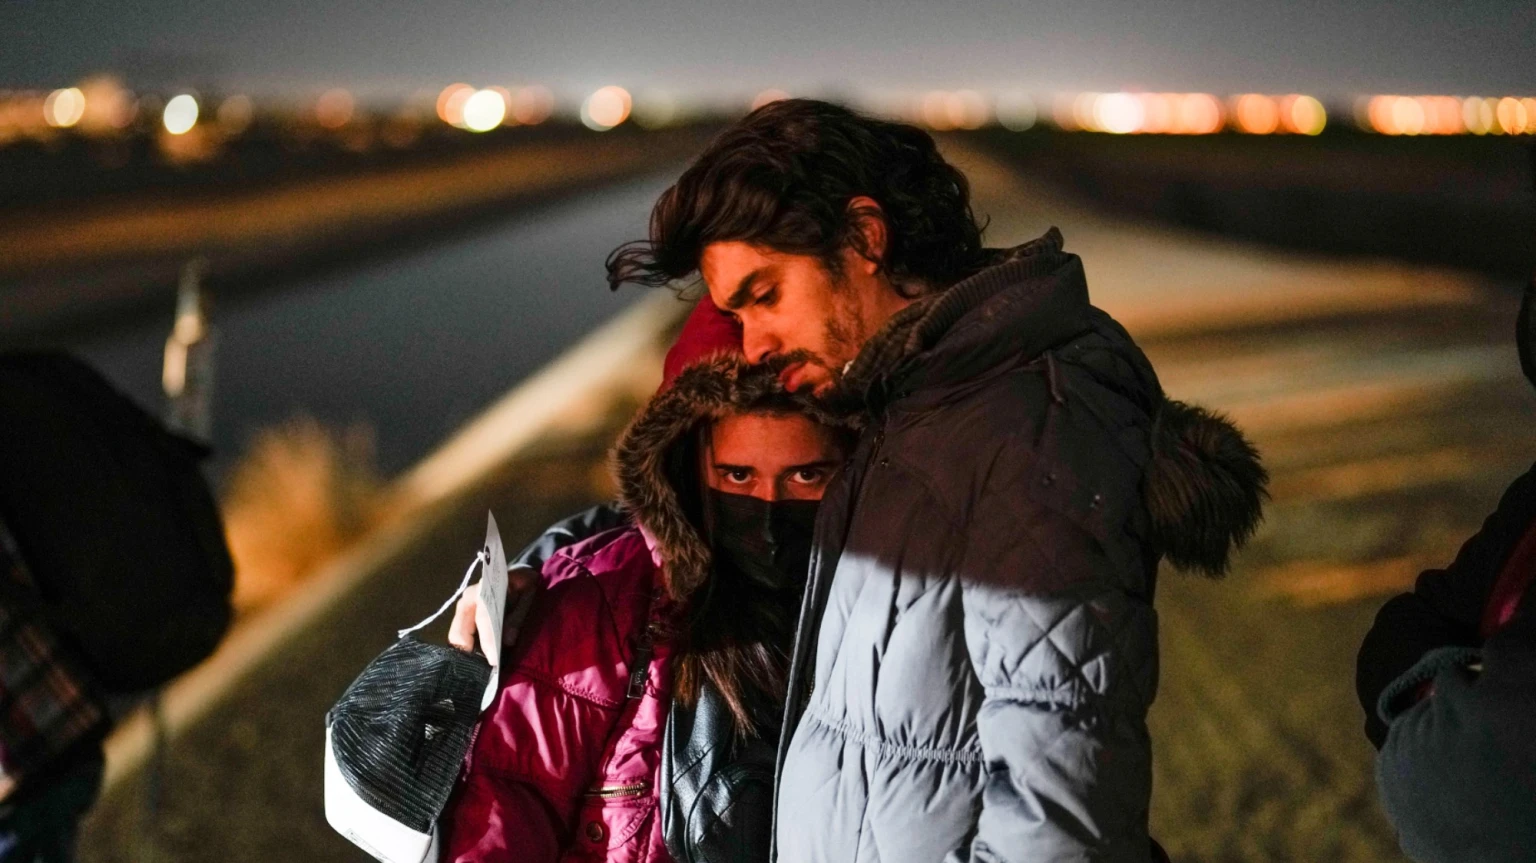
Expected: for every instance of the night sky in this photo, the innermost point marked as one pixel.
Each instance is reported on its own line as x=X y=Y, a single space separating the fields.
x=390 y=47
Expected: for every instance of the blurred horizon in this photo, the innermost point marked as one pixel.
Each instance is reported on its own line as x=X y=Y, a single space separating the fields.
x=727 y=50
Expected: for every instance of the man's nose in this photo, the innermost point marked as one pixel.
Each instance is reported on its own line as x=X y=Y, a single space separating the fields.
x=757 y=344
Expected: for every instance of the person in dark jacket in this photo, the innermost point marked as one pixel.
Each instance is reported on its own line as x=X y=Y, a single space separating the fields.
x=1447 y=678
x=977 y=648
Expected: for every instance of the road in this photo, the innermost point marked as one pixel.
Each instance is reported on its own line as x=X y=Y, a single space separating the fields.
x=1386 y=399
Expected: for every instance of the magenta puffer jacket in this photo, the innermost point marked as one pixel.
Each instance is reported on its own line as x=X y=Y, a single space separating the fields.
x=565 y=763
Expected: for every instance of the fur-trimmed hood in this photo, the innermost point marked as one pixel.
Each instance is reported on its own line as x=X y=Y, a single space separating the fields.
x=708 y=389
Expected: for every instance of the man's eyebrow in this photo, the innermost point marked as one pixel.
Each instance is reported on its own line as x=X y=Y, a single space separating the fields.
x=743 y=290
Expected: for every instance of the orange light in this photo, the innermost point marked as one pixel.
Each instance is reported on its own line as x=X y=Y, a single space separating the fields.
x=1530 y=115
x=1302 y=115
x=1157 y=111
x=64 y=108
x=606 y=108
x=1257 y=114
x=934 y=111
x=1197 y=114
x=768 y=97
x=1407 y=116
x=334 y=108
x=967 y=109
x=1082 y=112
x=450 y=103
x=1511 y=115
x=1117 y=113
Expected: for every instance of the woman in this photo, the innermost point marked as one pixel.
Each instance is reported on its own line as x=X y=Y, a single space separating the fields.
x=639 y=707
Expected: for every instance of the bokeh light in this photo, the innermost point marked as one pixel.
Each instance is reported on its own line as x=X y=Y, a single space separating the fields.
x=1256 y=114
x=1197 y=114
x=484 y=110
x=64 y=108
x=180 y=114
x=450 y=103
x=1157 y=113
x=1303 y=115
x=655 y=110
x=768 y=97
x=334 y=108
x=1016 y=111
x=1117 y=113
x=1512 y=117
x=606 y=108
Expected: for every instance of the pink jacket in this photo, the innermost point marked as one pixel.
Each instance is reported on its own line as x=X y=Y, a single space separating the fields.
x=565 y=765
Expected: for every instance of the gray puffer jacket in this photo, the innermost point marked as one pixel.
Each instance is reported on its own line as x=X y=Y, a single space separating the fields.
x=978 y=647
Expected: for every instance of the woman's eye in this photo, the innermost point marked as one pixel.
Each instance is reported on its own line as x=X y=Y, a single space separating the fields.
x=768 y=297
x=737 y=475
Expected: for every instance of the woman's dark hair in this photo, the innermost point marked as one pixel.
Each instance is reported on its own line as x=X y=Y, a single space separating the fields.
x=783 y=176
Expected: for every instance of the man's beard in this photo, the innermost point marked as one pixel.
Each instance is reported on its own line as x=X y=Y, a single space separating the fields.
x=841 y=339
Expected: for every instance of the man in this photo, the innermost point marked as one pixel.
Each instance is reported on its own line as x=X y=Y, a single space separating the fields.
x=978 y=648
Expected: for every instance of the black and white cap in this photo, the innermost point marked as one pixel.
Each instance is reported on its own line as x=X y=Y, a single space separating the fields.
x=396 y=740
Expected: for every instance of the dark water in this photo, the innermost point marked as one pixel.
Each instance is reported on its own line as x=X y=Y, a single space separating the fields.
x=412 y=346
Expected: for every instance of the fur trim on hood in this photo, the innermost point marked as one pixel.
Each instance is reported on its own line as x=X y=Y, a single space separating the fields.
x=708 y=389
x=1204 y=489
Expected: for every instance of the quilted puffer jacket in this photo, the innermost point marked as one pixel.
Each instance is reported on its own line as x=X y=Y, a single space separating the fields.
x=978 y=647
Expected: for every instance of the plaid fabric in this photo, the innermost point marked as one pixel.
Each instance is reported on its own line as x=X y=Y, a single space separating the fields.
x=46 y=702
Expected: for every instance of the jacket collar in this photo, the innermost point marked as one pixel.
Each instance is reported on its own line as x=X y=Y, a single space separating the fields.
x=1030 y=298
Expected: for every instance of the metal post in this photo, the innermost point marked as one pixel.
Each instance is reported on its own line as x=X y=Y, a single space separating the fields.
x=188 y=373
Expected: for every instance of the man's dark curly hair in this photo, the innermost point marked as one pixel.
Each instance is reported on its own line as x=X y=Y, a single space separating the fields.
x=783 y=177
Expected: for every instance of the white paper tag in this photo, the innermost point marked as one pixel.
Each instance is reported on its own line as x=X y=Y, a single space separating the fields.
x=491 y=609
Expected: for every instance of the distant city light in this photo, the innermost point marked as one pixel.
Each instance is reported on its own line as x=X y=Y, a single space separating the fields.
x=1197 y=114
x=235 y=114
x=1157 y=113
x=1303 y=115
x=450 y=103
x=180 y=114
x=768 y=97
x=606 y=108
x=1256 y=114
x=1016 y=111
x=334 y=108
x=1117 y=113
x=484 y=110
x=532 y=105
x=64 y=108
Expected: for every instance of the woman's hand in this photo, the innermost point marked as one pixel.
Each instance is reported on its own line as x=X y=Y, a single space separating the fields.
x=461 y=632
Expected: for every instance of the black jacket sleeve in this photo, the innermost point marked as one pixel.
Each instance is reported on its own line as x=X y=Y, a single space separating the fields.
x=1445 y=606
x=1458 y=772
x=566 y=532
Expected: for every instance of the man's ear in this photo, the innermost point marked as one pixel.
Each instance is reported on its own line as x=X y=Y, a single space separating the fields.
x=870 y=235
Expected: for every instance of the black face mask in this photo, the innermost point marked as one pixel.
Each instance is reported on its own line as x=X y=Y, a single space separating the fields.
x=768 y=543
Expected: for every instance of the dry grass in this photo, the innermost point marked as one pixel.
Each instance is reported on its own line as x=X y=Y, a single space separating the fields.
x=299 y=495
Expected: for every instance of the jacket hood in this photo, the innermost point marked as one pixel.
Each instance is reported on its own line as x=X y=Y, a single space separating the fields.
x=1204 y=485
x=712 y=387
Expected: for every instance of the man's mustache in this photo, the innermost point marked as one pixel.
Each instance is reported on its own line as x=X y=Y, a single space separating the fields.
x=779 y=362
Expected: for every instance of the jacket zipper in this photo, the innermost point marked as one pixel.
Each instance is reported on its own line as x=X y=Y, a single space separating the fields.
x=609 y=792
x=640 y=663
